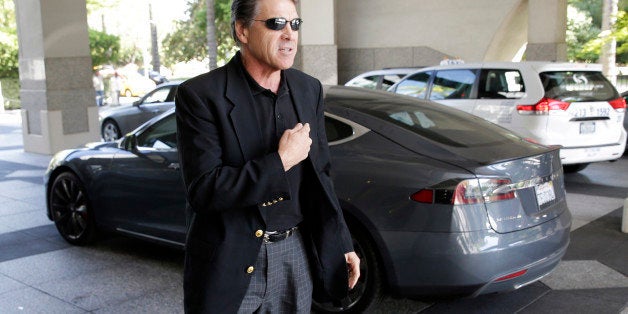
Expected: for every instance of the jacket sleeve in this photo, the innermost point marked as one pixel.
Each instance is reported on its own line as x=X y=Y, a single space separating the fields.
x=324 y=158
x=211 y=183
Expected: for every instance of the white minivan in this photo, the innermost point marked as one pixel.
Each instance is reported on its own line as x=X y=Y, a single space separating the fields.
x=567 y=104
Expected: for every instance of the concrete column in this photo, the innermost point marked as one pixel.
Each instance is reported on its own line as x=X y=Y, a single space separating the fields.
x=547 y=26
x=318 y=53
x=57 y=95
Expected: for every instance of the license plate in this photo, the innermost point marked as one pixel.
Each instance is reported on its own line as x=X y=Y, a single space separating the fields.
x=545 y=193
x=587 y=127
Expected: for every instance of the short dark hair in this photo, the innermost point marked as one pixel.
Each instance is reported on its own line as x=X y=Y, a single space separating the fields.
x=245 y=11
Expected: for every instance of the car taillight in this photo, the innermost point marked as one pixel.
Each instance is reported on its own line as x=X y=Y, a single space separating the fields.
x=470 y=191
x=543 y=107
x=618 y=104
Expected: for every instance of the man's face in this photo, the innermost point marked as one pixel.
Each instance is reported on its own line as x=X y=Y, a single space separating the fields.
x=272 y=49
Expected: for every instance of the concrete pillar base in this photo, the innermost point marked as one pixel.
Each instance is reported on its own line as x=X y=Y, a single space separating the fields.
x=52 y=139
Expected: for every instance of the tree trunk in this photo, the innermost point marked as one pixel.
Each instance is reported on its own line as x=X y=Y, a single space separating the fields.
x=212 y=46
x=607 y=55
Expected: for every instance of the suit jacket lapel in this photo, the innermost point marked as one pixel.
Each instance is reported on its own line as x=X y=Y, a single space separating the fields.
x=243 y=113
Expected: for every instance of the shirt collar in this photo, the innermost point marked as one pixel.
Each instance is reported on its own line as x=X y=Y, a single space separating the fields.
x=257 y=89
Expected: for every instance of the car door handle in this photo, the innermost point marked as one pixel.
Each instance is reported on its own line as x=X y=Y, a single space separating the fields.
x=174 y=166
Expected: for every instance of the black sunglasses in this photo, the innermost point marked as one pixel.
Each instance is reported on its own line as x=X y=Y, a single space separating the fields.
x=279 y=23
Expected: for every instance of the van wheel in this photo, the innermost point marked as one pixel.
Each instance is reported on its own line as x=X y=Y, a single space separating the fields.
x=369 y=291
x=573 y=168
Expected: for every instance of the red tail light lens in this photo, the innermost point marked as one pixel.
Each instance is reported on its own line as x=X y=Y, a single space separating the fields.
x=618 y=104
x=543 y=107
x=425 y=196
x=483 y=191
x=472 y=191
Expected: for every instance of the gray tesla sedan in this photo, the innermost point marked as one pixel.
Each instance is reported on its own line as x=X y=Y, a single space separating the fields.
x=439 y=202
x=115 y=121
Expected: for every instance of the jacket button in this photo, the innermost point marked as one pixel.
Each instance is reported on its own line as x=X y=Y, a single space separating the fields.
x=281 y=199
x=250 y=269
x=264 y=205
x=259 y=233
x=275 y=201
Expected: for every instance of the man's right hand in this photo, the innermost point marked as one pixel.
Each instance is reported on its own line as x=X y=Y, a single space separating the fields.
x=294 y=145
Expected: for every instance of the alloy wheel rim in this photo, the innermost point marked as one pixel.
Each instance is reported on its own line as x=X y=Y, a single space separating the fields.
x=110 y=132
x=69 y=207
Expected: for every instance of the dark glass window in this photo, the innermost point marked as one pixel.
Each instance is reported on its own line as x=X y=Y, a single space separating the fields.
x=573 y=86
x=369 y=82
x=336 y=130
x=161 y=135
x=415 y=85
x=441 y=124
x=501 y=84
x=453 y=84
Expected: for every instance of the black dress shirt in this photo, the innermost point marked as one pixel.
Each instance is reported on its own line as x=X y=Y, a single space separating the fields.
x=275 y=114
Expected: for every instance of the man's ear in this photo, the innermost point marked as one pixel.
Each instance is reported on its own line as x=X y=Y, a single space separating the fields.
x=242 y=32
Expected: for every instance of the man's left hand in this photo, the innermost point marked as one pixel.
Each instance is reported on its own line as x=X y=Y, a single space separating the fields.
x=353 y=266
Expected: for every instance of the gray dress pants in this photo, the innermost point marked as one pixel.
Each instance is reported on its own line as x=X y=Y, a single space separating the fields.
x=281 y=282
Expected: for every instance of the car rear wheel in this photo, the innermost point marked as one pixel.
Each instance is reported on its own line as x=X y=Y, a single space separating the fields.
x=71 y=210
x=573 y=168
x=110 y=131
x=369 y=290
x=128 y=93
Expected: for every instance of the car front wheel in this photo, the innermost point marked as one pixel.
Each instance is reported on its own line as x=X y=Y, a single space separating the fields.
x=369 y=291
x=110 y=131
x=70 y=209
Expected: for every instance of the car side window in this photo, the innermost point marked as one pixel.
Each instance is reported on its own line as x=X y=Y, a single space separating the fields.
x=336 y=130
x=453 y=84
x=157 y=96
x=501 y=84
x=415 y=85
x=161 y=135
x=369 y=82
x=390 y=80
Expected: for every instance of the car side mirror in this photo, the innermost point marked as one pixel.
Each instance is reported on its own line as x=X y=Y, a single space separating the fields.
x=137 y=103
x=129 y=143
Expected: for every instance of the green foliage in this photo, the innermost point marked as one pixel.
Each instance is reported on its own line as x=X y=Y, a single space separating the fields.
x=131 y=55
x=8 y=40
x=10 y=92
x=580 y=30
x=584 y=38
x=104 y=48
x=189 y=39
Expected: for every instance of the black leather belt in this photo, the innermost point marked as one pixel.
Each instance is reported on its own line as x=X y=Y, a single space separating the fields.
x=276 y=236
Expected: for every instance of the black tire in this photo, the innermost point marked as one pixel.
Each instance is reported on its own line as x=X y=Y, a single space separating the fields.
x=573 y=168
x=128 y=93
x=110 y=131
x=71 y=210
x=369 y=291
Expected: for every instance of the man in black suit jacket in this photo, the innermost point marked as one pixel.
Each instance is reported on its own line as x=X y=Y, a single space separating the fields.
x=256 y=180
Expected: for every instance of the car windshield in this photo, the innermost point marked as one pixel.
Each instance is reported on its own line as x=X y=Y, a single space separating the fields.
x=574 y=86
x=443 y=125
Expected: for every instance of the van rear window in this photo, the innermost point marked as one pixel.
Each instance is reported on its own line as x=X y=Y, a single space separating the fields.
x=576 y=86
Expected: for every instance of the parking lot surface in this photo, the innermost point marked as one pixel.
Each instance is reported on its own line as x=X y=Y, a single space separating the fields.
x=41 y=273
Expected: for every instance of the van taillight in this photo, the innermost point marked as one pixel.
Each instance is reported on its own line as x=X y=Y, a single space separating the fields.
x=543 y=107
x=470 y=191
x=618 y=104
